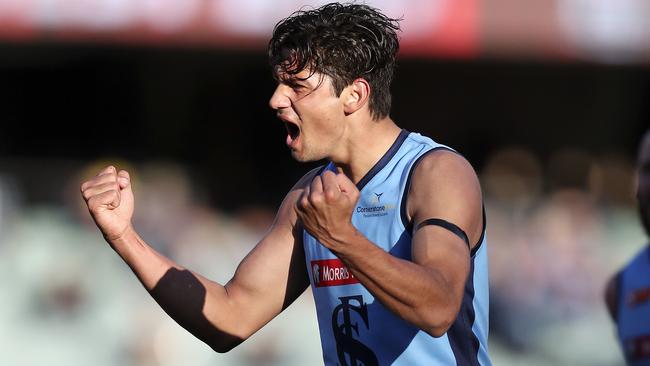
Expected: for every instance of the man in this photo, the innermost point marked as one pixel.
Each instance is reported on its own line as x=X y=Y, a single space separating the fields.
x=628 y=293
x=389 y=233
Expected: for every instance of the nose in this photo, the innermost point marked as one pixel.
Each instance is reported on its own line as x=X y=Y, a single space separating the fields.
x=280 y=99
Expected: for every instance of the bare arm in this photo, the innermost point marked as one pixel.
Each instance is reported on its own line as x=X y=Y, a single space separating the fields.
x=428 y=290
x=270 y=278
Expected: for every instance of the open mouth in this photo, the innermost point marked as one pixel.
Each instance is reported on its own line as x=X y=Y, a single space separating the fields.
x=292 y=129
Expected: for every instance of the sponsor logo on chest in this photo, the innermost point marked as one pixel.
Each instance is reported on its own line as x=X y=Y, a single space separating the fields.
x=375 y=207
x=331 y=272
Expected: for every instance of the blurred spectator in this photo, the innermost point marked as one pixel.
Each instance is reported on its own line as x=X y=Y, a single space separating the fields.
x=549 y=229
x=628 y=292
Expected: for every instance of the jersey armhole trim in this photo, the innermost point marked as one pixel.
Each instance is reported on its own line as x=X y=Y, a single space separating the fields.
x=479 y=243
x=446 y=225
x=408 y=225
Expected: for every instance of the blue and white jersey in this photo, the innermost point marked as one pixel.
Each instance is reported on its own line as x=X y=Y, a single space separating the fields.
x=633 y=316
x=355 y=328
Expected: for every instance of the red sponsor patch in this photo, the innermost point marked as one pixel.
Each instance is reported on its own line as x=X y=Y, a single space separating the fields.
x=638 y=348
x=638 y=297
x=331 y=272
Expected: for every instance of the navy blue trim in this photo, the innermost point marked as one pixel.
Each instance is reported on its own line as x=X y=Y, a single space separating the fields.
x=447 y=225
x=480 y=240
x=321 y=169
x=462 y=339
x=408 y=224
x=405 y=221
x=384 y=159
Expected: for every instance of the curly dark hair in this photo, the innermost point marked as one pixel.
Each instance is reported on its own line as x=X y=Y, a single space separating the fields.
x=344 y=42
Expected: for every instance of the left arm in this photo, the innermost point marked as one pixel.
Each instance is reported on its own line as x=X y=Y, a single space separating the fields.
x=428 y=290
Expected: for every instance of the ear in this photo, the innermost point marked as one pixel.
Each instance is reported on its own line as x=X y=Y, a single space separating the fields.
x=356 y=95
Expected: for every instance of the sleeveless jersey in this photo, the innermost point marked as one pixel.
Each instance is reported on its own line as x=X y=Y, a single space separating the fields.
x=633 y=316
x=355 y=328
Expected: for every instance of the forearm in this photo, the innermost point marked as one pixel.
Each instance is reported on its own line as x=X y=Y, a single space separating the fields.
x=418 y=294
x=145 y=262
x=185 y=296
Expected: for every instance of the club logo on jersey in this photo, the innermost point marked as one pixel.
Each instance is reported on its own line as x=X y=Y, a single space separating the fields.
x=375 y=208
x=331 y=272
x=350 y=351
x=638 y=297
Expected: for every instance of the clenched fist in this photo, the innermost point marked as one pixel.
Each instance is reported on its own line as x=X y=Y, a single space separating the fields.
x=325 y=208
x=110 y=201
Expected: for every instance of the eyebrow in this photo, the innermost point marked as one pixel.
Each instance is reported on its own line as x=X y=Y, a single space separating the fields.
x=295 y=82
x=292 y=80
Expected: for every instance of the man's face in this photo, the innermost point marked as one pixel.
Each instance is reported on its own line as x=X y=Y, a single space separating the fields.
x=312 y=113
x=643 y=192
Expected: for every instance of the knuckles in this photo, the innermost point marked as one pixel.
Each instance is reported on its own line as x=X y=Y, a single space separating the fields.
x=102 y=190
x=316 y=198
x=89 y=188
x=330 y=196
x=304 y=202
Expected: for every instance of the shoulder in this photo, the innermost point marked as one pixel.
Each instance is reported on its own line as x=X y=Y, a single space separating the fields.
x=441 y=160
x=286 y=213
x=307 y=178
x=443 y=170
x=445 y=186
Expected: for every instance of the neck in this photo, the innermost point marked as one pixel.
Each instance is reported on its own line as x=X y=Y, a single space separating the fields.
x=366 y=143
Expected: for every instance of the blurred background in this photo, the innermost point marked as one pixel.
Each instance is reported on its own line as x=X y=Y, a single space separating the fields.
x=546 y=98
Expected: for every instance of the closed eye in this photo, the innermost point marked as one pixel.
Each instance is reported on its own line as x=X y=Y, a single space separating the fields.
x=296 y=86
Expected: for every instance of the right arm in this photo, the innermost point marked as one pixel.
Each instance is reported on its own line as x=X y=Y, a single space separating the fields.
x=267 y=280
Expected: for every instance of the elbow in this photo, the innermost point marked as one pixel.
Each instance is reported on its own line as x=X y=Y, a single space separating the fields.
x=223 y=347
x=437 y=331
x=439 y=322
x=221 y=342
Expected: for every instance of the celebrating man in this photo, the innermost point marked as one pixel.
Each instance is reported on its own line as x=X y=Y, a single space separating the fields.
x=389 y=233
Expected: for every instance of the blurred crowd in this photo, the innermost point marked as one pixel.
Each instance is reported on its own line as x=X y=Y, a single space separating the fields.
x=558 y=227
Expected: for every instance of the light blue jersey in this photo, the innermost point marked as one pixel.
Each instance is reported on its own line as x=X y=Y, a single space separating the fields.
x=633 y=316
x=355 y=328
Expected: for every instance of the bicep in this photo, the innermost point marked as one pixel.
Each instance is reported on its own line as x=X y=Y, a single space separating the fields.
x=444 y=254
x=273 y=274
x=445 y=193
x=445 y=208
x=269 y=278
